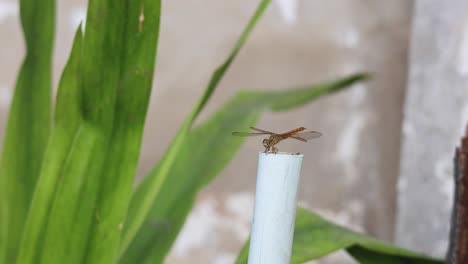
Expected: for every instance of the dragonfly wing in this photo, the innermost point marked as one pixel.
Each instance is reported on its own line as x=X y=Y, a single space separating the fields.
x=261 y=130
x=298 y=138
x=246 y=134
x=307 y=135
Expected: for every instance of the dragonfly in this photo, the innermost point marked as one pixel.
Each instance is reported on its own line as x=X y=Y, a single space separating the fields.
x=275 y=138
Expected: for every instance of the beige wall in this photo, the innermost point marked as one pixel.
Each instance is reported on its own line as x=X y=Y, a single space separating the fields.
x=349 y=174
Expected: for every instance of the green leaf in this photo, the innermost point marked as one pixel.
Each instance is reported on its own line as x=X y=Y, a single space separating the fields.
x=73 y=212
x=144 y=197
x=28 y=125
x=66 y=123
x=130 y=112
x=207 y=150
x=70 y=214
x=314 y=237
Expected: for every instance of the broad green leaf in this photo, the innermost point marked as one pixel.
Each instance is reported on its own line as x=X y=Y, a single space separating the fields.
x=144 y=197
x=207 y=150
x=67 y=120
x=315 y=237
x=28 y=125
x=69 y=211
x=73 y=212
x=141 y=39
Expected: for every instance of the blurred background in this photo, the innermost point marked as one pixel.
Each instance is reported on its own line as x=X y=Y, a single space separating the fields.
x=384 y=163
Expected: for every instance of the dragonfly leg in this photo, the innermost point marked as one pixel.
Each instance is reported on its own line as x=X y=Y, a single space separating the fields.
x=275 y=150
x=267 y=149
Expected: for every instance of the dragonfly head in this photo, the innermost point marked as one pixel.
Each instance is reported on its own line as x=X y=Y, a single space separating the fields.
x=266 y=142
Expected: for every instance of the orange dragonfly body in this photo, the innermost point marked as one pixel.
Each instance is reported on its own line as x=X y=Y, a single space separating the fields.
x=274 y=138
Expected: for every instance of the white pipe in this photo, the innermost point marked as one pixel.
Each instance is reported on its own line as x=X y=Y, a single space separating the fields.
x=275 y=208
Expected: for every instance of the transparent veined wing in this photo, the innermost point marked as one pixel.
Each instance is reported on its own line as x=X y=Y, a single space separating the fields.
x=262 y=131
x=306 y=135
x=246 y=134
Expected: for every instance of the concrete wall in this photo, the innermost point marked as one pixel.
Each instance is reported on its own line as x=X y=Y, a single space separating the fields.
x=436 y=112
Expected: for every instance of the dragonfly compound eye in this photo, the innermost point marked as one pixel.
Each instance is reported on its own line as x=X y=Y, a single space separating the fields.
x=266 y=142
